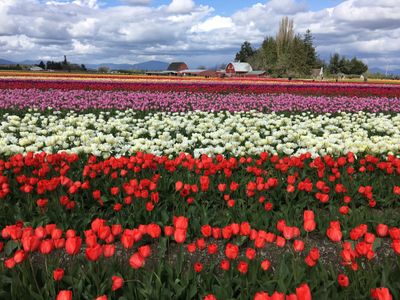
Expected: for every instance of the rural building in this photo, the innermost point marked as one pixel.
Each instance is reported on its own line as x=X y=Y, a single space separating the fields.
x=35 y=68
x=177 y=66
x=317 y=73
x=238 y=68
x=255 y=74
x=200 y=72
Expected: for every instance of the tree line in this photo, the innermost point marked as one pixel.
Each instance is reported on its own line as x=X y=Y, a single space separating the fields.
x=61 y=66
x=294 y=55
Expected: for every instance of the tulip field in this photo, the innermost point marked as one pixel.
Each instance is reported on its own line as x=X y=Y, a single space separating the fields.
x=129 y=187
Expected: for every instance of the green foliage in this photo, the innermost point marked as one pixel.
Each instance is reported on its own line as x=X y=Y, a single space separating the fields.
x=294 y=55
x=286 y=55
x=246 y=51
x=343 y=65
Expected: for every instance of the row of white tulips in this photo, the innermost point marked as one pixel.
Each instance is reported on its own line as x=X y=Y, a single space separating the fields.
x=161 y=133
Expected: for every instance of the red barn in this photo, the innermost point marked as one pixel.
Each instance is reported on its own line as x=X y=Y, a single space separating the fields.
x=238 y=68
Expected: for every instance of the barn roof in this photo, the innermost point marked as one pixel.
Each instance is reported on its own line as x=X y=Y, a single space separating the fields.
x=242 y=67
x=255 y=73
x=175 y=66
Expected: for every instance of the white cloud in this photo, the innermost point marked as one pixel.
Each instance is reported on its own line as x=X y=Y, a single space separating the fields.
x=133 y=31
x=180 y=6
x=213 y=23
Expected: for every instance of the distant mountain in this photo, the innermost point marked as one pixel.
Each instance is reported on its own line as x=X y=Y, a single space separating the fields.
x=109 y=65
x=6 y=62
x=152 y=65
x=383 y=71
x=30 y=62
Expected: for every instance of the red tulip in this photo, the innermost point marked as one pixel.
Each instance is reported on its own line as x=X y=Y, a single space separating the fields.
x=225 y=265
x=261 y=296
x=343 y=280
x=145 y=251
x=382 y=230
x=265 y=264
x=94 y=253
x=103 y=297
x=117 y=283
x=136 y=261
x=396 y=246
x=154 y=230
x=30 y=243
x=19 y=256
x=210 y=297
x=181 y=222
x=280 y=242
x=108 y=250
x=64 y=295
x=180 y=235
x=250 y=253
x=97 y=223
x=212 y=249
x=198 y=267
x=59 y=243
x=168 y=230
x=73 y=245
x=243 y=267
x=206 y=230
x=303 y=292
x=231 y=251
x=58 y=274
x=334 y=233
x=381 y=294
x=116 y=229
x=9 y=263
x=103 y=232
x=298 y=245
x=127 y=239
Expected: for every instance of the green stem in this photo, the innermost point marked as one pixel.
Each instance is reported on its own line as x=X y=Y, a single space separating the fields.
x=34 y=275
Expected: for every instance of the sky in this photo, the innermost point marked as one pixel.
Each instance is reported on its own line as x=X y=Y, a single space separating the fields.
x=199 y=32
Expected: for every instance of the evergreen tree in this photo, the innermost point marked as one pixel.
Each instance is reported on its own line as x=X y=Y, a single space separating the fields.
x=246 y=51
x=310 y=53
x=298 y=57
x=42 y=65
x=269 y=54
x=334 y=64
x=357 y=66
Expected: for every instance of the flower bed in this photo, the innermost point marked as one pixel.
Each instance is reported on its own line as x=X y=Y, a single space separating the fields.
x=217 y=221
x=180 y=102
x=304 y=88
x=276 y=196
x=124 y=132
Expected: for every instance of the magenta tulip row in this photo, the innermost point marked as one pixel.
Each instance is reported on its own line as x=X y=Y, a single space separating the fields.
x=183 y=101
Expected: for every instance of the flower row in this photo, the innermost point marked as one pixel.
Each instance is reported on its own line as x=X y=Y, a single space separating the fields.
x=303 y=88
x=101 y=242
x=161 y=133
x=63 y=187
x=184 y=101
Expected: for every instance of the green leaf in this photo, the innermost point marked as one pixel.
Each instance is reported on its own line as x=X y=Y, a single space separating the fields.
x=10 y=247
x=377 y=244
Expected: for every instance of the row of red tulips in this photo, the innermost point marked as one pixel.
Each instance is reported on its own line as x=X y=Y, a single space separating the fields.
x=209 y=87
x=101 y=240
x=238 y=220
x=328 y=179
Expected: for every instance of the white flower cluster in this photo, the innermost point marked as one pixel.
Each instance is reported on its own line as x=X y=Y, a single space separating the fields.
x=242 y=133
